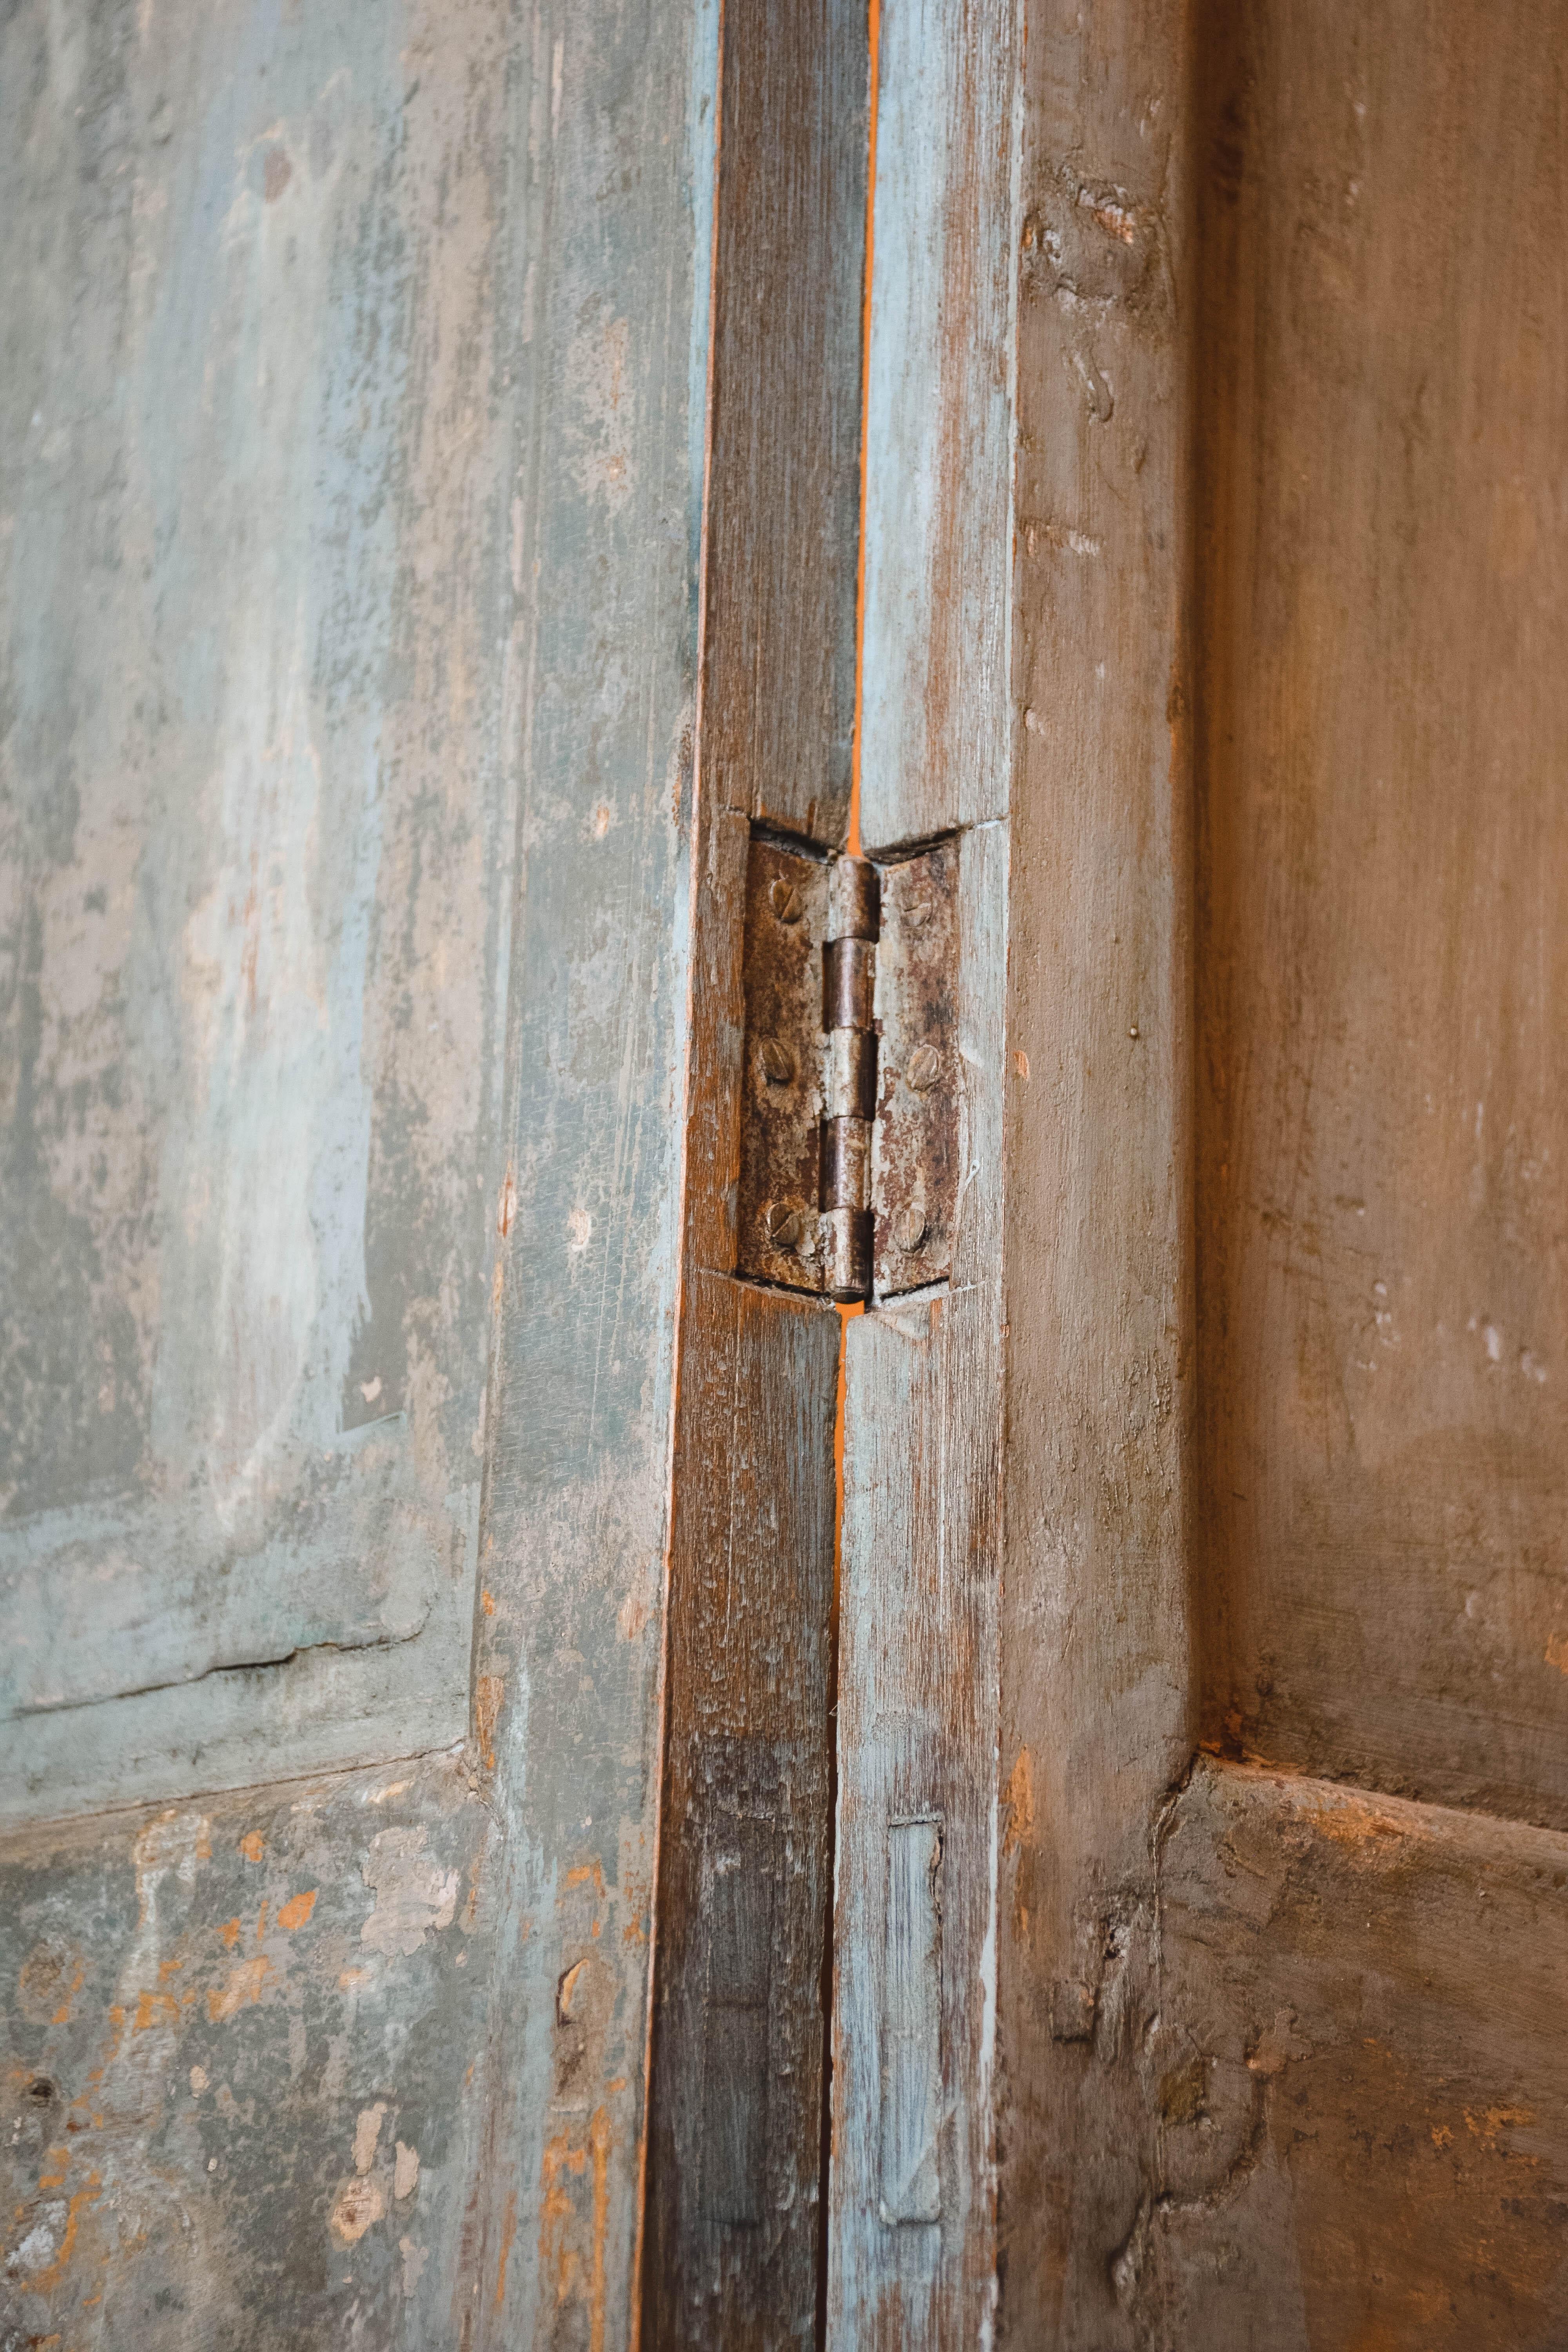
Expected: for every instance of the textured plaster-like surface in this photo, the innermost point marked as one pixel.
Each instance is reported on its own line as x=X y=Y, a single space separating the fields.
x=236 y=2038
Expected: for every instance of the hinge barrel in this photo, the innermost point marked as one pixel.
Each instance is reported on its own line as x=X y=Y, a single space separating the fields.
x=848 y=998
x=849 y=981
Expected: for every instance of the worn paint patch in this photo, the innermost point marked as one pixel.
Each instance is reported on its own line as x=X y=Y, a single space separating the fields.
x=367 y=2131
x=567 y=2158
x=359 y=2205
x=173 y=1843
x=415 y=1895
x=1353 y=1821
x=489 y=1690
x=242 y=1989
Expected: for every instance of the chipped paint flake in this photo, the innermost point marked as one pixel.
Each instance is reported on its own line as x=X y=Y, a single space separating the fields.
x=367 y=2131
x=358 y=2206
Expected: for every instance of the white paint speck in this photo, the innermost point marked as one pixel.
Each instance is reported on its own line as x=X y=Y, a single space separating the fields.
x=37 y=2249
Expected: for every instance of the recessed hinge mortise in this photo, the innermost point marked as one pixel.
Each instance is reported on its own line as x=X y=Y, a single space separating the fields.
x=849 y=1105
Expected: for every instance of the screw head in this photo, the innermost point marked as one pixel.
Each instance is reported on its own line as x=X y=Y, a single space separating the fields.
x=787 y=901
x=917 y=913
x=924 y=1068
x=777 y=1061
x=781 y=1224
x=909 y=1230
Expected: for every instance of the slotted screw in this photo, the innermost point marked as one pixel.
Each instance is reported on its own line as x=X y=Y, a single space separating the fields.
x=785 y=900
x=777 y=1061
x=781 y=1224
x=924 y=1068
x=909 y=1230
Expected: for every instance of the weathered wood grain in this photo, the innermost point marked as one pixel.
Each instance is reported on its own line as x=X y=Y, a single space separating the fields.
x=1384 y=1001
x=258 y=831
x=353 y=461
x=734 y=2223
x=778 y=717
x=612 y=211
x=1357 y=2081
x=912 y=2247
x=937 y=721
x=1096 y=1716
x=735 y=2147
x=911 y=2242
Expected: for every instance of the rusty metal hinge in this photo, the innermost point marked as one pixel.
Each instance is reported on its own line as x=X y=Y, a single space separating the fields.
x=850 y=1131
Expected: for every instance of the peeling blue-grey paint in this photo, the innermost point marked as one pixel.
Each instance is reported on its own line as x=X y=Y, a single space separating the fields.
x=347 y=664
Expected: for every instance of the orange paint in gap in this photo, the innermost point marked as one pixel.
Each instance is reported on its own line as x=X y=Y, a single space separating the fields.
x=873 y=44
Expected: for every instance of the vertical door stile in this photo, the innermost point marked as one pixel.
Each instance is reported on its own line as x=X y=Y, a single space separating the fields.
x=732 y=2245
x=1097 y=1717
x=912 y=2232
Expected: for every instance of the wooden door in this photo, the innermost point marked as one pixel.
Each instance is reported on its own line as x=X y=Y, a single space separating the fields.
x=564 y=1787
x=1284 y=1723
x=1198 y=1857
x=351 y=482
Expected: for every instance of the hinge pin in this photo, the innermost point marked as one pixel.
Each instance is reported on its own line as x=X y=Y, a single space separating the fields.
x=848 y=992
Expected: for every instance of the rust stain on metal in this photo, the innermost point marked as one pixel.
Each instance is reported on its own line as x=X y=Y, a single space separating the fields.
x=784 y=926
x=915 y=1148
